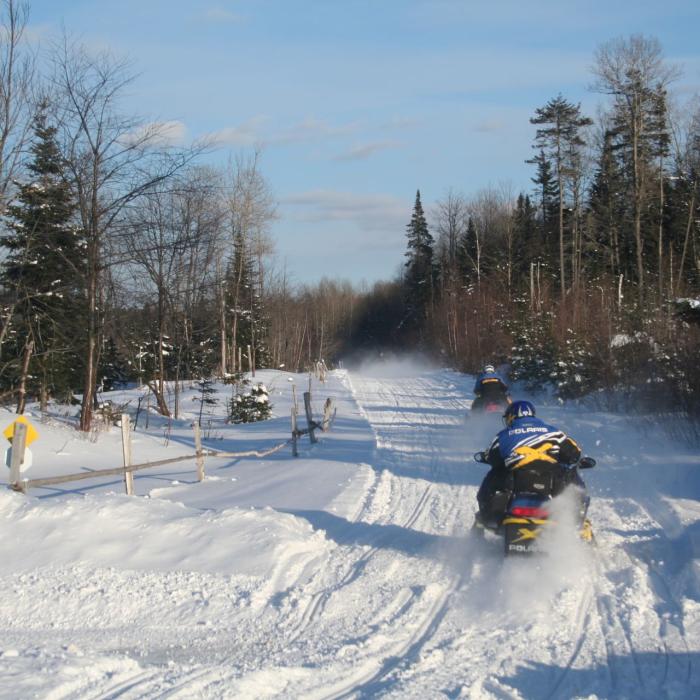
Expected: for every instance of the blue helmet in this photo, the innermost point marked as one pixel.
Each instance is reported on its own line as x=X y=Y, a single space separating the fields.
x=518 y=409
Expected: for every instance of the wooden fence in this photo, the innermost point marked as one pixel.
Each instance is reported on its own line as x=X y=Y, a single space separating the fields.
x=128 y=469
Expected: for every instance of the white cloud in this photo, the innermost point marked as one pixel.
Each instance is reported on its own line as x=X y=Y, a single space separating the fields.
x=170 y=133
x=366 y=150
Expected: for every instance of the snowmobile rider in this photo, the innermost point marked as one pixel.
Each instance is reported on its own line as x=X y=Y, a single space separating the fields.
x=490 y=387
x=524 y=440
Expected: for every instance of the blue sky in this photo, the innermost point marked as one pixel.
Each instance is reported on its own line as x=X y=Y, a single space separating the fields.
x=358 y=103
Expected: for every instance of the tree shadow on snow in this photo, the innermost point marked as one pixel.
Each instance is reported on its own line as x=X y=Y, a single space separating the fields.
x=666 y=557
x=641 y=675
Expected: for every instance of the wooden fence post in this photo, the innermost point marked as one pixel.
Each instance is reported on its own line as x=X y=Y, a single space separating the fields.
x=309 y=416
x=19 y=443
x=295 y=451
x=198 y=450
x=327 y=409
x=126 y=452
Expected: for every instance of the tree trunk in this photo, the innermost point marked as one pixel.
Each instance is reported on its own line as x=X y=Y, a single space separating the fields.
x=160 y=400
x=90 y=374
x=222 y=330
x=688 y=229
x=560 y=184
x=636 y=128
x=661 y=229
x=6 y=324
x=22 y=390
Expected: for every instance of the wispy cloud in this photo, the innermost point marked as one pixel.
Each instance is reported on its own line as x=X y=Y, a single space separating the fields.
x=489 y=126
x=366 y=150
x=246 y=134
x=170 y=133
x=311 y=129
x=367 y=214
x=256 y=131
x=221 y=14
x=36 y=33
x=400 y=123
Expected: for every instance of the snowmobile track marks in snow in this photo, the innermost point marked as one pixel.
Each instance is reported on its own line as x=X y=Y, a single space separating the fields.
x=320 y=599
x=583 y=621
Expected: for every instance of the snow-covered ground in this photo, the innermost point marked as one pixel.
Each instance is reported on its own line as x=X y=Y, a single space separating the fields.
x=350 y=571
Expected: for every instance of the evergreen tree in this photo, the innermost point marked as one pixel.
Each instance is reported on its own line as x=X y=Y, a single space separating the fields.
x=206 y=397
x=684 y=208
x=249 y=320
x=249 y=405
x=419 y=275
x=45 y=268
x=527 y=243
x=547 y=196
x=115 y=370
x=659 y=143
x=468 y=254
x=609 y=249
x=560 y=140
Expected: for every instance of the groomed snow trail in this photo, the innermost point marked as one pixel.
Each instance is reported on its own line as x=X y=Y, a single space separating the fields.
x=384 y=591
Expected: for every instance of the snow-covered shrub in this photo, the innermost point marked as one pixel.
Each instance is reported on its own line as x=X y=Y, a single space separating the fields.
x=533 y=359
x=249 y=404
x=577 y=369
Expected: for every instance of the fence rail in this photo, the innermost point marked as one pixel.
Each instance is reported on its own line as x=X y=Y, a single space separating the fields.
x=127 y=469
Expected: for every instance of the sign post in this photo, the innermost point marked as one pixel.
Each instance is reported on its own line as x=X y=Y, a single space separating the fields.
x=19 y=443
x=31 y=430
x=126 y=453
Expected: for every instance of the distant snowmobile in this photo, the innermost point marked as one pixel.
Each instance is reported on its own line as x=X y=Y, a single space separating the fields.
x=526 y=504
x=490 y=392
x=493 y=404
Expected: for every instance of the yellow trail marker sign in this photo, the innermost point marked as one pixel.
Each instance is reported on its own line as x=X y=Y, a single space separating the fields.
x=31 y=430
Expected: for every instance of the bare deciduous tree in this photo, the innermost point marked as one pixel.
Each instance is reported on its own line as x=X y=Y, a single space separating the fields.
x=173 y=235
x=451 y=216
x=634 y=73
x=17 y=70
x=251 y=209
x=113 y=160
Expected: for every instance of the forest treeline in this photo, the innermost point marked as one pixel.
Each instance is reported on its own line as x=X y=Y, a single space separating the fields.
x=127 y=258
x=587 y=284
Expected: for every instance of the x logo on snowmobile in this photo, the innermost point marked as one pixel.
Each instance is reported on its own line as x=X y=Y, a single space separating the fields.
x=525 y=534
x=533 y=454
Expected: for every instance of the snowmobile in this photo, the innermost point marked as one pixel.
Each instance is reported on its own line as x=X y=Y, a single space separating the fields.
x=526 y=504
x=490 y=405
